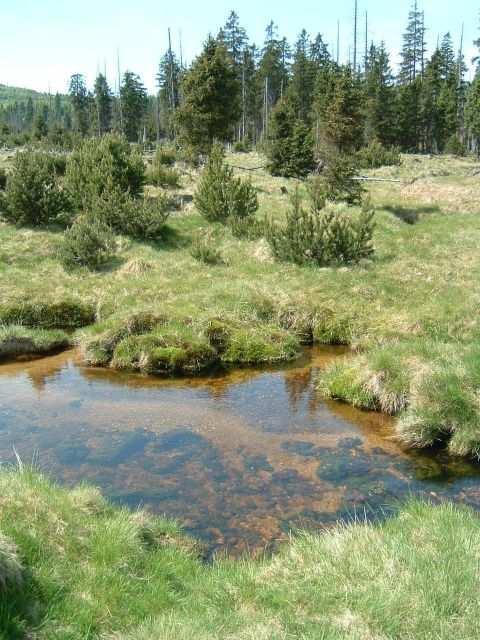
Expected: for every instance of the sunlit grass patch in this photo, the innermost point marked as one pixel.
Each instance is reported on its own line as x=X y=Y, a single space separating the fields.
x=80 y=568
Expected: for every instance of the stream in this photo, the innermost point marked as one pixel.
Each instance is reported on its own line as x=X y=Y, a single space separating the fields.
x=240 y=458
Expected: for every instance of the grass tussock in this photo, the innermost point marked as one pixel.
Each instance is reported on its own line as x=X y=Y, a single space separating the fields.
x=158 y=345
x=66 y=314
x=432 y=387
x=93 y=571
x=16 y=341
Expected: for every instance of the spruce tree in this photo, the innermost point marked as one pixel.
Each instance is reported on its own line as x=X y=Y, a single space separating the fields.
x=344 y=121
x=272 y=76
x=79 y=99
x=134 y=105
x=168 y=81
x=235 y=39
x=414 y=46
x=302 y=83
x=433 y=122
x=380 y=98
x=472 y=113
x=290 y=148
x=211 y=98
x=103 y=102
x=409 y=115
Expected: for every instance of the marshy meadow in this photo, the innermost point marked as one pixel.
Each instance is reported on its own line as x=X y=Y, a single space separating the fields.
x=239 y=346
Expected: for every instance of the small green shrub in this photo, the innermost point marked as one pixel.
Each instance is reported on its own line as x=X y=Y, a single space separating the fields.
x=60 y=163
x=331 y=236
x=220 y=195
x=339 y=182
x=455 y=147
x=3 y=179
x=143 y=219
x=189 y=155
x=165 y=155
x=162 y=176
x=89 y=242
x=248 y=228
x=33 y=196
x=375 y=155
x=102 y=165
x=242 y=146
x=204 y=249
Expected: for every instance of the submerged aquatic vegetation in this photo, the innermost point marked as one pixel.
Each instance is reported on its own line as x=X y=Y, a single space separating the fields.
x=100 y=571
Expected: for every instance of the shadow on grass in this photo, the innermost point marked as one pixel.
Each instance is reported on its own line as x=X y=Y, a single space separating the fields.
x=410 y=215
x=22 y=609
x=171 y=240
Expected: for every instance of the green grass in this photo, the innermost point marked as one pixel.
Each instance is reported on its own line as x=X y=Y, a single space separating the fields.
x=422 y=287
x=73 y=567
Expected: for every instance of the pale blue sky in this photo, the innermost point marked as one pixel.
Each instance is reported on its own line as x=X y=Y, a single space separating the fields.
x=42 y=42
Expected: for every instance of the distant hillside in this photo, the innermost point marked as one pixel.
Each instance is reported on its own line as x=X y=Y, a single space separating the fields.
x=12 y=94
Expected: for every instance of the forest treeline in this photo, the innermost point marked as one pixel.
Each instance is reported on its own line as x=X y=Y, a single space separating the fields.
x=237 y=92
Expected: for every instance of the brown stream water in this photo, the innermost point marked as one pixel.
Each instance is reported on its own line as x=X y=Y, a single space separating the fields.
x=239 y=458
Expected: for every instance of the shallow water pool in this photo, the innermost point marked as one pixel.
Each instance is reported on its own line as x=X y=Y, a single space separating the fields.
x=239 y=458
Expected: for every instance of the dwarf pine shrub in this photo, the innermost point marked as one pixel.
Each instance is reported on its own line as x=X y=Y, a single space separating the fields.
x=455 y=147
x=105 y=164
x=33 y=195
x=89 y=242
x=162 y=176
x=220 y=195
x=338 y=181
x=331 y=236
x=375 y=155
x=140 y=218
x=204 y=249
x=3 y=179
x=165 y=155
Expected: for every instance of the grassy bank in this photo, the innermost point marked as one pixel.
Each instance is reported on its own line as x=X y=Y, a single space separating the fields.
x=16 y=341
x=417 y=299
x=72 y=566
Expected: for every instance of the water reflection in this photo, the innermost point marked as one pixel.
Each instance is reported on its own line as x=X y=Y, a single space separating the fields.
x=240 y=458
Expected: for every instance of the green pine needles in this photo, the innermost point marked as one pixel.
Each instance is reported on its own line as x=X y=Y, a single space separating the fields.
x=329 y=236
x=220 y=195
